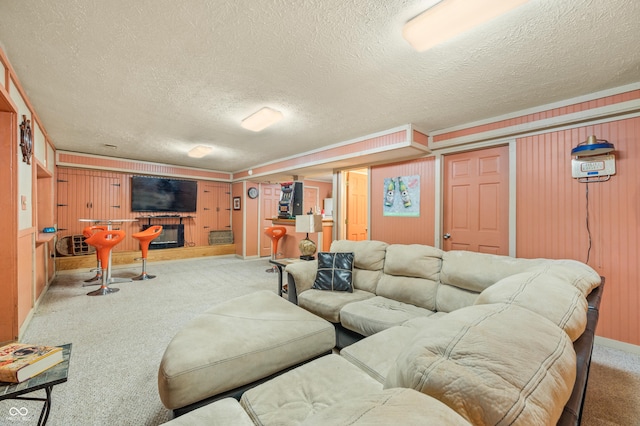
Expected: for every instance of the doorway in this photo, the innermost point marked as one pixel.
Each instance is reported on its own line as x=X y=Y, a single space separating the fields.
x=476 y=201
x=357 y=201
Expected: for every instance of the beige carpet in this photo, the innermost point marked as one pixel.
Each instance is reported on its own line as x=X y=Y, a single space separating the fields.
x=118 y=341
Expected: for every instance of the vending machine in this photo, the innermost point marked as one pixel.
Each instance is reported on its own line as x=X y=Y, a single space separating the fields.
x=290 y=203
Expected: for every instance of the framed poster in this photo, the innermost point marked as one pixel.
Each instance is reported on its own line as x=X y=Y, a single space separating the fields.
x=236 y=203
x=401 y=196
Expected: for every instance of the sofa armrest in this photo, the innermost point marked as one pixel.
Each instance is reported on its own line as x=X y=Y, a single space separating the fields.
x=300 y=277
x=572 y=414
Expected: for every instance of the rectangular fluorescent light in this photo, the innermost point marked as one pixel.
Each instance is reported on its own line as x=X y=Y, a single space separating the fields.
x=262 y=119
x=450 y=18
x=200 y=151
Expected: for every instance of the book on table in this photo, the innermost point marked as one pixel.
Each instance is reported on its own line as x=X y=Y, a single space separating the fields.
x=22 y=361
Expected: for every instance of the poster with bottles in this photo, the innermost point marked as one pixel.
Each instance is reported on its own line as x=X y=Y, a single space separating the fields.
x=402 y=196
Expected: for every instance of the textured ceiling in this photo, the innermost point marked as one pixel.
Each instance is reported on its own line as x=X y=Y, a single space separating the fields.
x=157 y=77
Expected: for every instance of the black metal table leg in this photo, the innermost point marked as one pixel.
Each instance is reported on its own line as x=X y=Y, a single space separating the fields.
x=46 y=408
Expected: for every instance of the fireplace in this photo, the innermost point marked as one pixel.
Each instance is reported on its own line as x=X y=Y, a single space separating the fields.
x=172 y=236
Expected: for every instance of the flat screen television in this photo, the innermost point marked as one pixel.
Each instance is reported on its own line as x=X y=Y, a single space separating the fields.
x=151 y=194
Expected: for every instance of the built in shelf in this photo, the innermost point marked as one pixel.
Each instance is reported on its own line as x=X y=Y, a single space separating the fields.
x=163 y=217
x=45 y=237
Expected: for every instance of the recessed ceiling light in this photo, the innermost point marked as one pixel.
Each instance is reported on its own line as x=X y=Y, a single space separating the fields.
x=200 y=151
x=261 y=119
x=450 y=18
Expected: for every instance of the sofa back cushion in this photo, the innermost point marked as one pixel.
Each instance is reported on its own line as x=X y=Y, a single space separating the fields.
x=368 y=261
x=544 y=293
x=493 y=364
x=465 y=274
x=476 y=271
x=578 y=274
x=411 y=274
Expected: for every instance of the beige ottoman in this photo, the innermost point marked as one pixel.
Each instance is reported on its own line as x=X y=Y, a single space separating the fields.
x=236 y=345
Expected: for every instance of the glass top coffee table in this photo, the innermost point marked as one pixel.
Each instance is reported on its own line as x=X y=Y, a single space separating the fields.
x=45 y=380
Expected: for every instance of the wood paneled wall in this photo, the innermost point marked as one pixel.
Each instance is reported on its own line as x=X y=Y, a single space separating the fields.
x=404 y=230
x=90 y=187
x=552 y=216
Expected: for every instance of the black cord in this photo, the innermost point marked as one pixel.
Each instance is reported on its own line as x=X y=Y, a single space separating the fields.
x=588 y=228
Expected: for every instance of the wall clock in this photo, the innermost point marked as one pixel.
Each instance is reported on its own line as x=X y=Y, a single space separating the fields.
x=252 y=192
x=26 y=141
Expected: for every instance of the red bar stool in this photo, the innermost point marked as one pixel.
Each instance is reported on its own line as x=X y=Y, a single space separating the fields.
x=104 y=241
x=275 y=233
x=145 y=237
x=87 y=232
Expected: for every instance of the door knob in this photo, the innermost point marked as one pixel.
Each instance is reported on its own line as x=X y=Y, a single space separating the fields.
x=446 y=236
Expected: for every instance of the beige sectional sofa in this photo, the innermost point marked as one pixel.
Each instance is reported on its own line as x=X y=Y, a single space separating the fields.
x=433 y=337
x=416 y=302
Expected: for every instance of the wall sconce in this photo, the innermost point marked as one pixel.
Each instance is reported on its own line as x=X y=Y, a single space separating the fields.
x=308 y=223
x=593 y=160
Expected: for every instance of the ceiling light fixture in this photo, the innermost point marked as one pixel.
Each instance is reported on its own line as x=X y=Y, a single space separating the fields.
x=262 y=119
x=200 y=151
x=450 y=18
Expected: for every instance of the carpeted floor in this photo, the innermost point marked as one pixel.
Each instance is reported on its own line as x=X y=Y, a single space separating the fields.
x=118 y=341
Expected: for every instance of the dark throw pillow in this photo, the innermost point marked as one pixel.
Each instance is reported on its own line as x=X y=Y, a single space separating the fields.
x=335 y=272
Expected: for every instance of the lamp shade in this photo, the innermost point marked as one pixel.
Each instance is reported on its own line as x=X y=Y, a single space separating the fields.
x=308 y=223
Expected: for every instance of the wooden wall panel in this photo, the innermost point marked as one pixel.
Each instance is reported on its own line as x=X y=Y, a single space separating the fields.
x=541 y=115
x=336 y=152
x=96 y=194
x=404 y=230
x=25 y=289
x=552 y=216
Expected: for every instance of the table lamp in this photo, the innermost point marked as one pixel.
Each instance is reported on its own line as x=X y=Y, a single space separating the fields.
x=308 y=223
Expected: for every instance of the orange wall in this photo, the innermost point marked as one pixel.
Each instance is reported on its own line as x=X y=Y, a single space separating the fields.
x=551 y=216
x=404 y=230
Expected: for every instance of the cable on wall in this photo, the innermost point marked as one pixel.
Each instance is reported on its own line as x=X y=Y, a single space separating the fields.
x=587 y=222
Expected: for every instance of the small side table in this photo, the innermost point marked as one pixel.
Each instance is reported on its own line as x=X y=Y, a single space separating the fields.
x=45 y=380
x=281 y=264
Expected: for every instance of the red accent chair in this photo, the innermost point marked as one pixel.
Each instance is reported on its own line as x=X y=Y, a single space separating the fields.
x=145 y=237
x=104 y=241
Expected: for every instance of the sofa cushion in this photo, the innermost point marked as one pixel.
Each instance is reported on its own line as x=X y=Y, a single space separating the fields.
x=578 y=274
x=450 y=298
x=413 y=260
x=376 y=354
x=300 y=393
x=335 y=272
x=493 y=364
x=544 y=293
x=476 y=271
x=368 y=261
x=388 y=407
x=367 y=254
x=378 y=313
x=327 y=304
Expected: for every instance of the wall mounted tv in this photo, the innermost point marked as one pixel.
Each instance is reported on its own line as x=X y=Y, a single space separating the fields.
x=151 y=194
